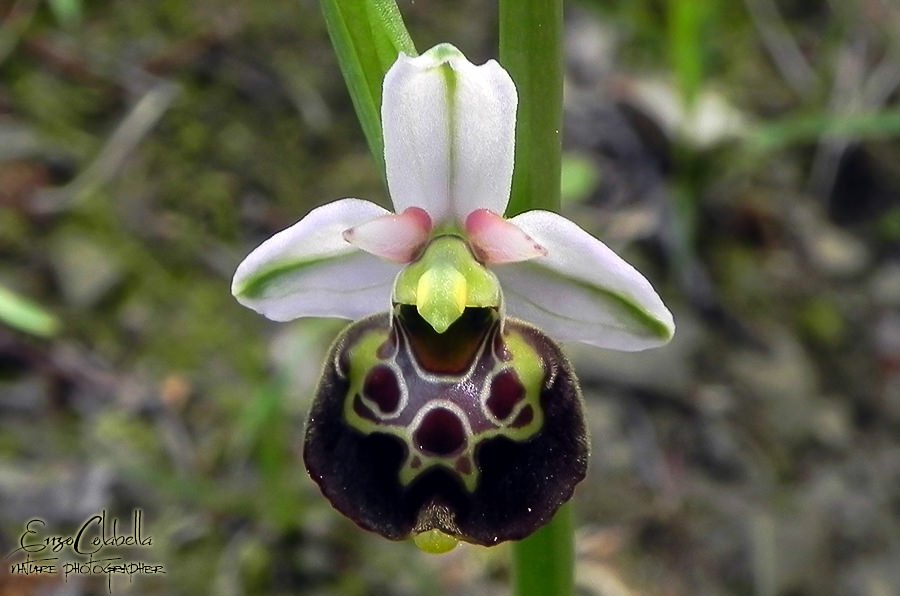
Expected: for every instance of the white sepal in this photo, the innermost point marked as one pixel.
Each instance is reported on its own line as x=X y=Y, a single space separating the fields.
x=449 y=134
x=310 y=270
x=581 y=290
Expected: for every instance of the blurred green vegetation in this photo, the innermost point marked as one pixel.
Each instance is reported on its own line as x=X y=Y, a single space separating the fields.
x=744 y=155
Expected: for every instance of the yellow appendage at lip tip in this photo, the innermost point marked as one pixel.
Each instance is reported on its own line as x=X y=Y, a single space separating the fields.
x=441 y=296
x=435 y=542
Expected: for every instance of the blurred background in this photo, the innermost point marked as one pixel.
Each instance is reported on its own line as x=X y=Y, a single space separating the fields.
x=744 y=155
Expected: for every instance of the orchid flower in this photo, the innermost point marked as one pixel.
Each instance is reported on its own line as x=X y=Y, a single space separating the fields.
x=485 y=406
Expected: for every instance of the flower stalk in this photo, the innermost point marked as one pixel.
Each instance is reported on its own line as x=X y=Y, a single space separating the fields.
x=531 y=50
x=544 y=563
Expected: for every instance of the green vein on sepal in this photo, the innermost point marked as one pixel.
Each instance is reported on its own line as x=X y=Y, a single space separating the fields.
x=645 y=320
x=257 y=285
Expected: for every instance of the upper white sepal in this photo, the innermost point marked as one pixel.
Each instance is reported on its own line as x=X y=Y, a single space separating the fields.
x=449 y=134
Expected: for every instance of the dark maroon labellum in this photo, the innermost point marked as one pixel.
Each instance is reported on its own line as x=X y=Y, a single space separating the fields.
x=477 y=432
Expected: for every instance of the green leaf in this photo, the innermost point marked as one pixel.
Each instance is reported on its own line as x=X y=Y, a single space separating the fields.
x=579 y=178
x=531 y=50
x=367 y=36
x=24 y=315
x=685 y=23
x=67 y=12
x=810 y=128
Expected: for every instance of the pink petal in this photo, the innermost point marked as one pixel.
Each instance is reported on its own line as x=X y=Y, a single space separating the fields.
x=497 y=241
x=398 y=238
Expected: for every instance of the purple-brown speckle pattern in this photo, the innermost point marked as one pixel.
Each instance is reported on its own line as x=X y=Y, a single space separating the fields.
x=420 y=444
x=443 y=414
x=383 y=388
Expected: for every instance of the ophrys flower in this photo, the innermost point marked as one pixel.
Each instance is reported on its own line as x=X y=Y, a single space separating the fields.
x=436 y=412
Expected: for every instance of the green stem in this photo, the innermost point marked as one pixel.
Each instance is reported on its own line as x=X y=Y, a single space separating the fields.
x=543 y=563
x=531 y=50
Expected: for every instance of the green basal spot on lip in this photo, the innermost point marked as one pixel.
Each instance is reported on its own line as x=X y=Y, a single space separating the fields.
x=445 y=281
